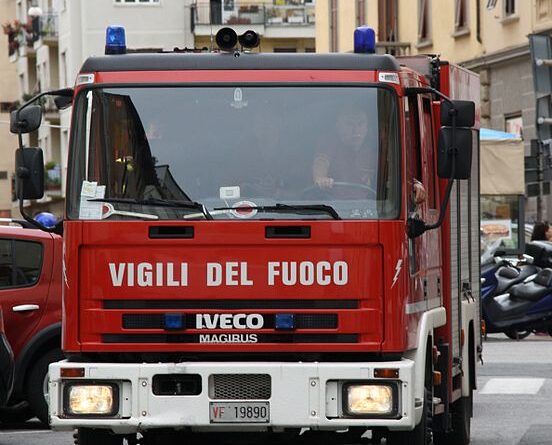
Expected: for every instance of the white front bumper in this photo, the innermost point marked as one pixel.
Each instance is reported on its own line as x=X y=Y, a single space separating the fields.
x=303 y=395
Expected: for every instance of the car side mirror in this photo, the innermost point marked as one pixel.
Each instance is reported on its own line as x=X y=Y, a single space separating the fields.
x=455 y=146
x=27 y=121
x=29 y=176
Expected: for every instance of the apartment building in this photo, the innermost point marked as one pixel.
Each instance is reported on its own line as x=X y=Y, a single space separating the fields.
x=54 y=37
x=8 y=97
x=487 y=36
x=284 y=25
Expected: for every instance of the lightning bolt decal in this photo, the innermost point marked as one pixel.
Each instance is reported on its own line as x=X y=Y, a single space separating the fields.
x=398 y=268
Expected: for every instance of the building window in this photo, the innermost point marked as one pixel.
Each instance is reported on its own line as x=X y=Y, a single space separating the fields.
x=509 y=8
x=285 y=50
x=333 y=26
x=361 y=12
x=424 y=17
x=460 y=15
x=137 y=2
x=388 y=21
x=514 y=125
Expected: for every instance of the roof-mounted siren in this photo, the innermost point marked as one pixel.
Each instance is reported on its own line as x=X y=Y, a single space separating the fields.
x=365 y=40
x=226 y=39
x=249 y=39
x=115 y=41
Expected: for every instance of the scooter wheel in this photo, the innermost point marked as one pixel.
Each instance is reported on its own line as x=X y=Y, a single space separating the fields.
x=514 y=334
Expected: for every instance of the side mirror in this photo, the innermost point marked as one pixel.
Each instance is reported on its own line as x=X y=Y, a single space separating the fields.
x=29 y=168
x=28 y=120
x=464 y=110
x=63 y=98
x=460 y=148
x=63 y=102
x=415 y=227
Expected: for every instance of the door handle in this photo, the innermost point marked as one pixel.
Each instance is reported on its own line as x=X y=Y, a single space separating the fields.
x=25 y=308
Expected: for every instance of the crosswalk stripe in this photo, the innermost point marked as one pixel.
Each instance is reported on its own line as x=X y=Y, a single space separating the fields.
x=511 y=385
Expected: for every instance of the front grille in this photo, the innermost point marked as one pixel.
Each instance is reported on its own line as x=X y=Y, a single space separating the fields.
x=157 y=321
x=230 y=304
x=240 y=387
x=229 y=338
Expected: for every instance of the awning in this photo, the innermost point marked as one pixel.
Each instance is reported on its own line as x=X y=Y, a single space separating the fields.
x=501 y=163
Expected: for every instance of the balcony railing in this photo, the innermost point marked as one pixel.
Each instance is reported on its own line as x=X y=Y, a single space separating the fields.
x=254 y=14
x=393 y=48
x=48 y=26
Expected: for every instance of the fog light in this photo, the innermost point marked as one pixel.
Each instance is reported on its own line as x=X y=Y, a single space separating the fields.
x=369 y=399
x=91 y=400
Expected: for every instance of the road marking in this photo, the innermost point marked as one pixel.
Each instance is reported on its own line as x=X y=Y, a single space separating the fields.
x=512 y=386
x=6 y=433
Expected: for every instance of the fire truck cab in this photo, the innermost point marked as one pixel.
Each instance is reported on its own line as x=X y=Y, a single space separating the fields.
x=268 y=243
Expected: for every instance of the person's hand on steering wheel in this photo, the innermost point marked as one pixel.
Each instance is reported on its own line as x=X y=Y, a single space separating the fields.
x=324 y=182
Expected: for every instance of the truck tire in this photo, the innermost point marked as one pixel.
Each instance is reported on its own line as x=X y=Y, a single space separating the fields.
x=37 y=391
x=89 y=436
x=422 y=434
x=18 y=413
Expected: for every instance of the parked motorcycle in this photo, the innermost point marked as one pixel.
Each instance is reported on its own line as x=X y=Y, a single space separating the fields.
x=517 y=295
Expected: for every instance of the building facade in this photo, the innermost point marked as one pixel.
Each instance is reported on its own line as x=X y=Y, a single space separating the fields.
x=487 y=36
x=284 y=25
x=8 y=98
x=55 y=39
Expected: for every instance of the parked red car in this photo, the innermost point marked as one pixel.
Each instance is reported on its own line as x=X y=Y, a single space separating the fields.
x=6 y=365
x=30 y=295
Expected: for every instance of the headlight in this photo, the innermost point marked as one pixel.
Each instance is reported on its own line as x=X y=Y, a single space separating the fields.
x=364 y=399
x=91 y=399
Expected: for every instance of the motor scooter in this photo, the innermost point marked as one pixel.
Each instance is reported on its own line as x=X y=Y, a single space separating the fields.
x=497 y=277
x=516 y=295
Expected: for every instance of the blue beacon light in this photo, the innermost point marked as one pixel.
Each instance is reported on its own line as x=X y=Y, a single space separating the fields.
x=365 y=40
x=115 y=42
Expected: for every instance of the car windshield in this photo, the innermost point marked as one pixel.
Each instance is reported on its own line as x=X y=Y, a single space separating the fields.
x=212 y=152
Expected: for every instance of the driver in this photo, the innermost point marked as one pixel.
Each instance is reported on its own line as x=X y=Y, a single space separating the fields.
x=346 y=157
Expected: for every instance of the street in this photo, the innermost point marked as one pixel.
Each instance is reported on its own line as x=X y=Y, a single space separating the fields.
x=512 y=404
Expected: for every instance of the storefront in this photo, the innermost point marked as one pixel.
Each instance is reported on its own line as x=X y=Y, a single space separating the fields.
x=502 y=193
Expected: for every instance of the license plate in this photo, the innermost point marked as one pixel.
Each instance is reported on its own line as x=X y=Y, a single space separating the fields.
x=239 y=412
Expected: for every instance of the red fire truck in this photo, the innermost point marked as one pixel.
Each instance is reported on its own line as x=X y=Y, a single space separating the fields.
x=247 y=249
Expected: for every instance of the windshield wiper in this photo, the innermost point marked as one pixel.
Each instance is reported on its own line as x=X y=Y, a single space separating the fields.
x=301 y=209
x=192 y=205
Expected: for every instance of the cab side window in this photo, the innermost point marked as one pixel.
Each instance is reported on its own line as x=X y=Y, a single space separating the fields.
x=20 y=263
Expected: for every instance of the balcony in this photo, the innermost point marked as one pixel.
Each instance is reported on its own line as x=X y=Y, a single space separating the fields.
x=20 y=38
x=393 y=48
x=45 y=30
x=286 y=20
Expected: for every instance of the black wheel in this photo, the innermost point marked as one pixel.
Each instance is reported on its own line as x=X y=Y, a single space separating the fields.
x=17 y=413
x=461 y=424
x=514 y=334
x=89 y=436
x=37 y=384
x=422 y=434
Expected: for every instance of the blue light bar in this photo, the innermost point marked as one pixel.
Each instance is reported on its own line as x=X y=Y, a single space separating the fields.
x=115 y=42
x=365 y=40
x=284 y=321
x=174 y=321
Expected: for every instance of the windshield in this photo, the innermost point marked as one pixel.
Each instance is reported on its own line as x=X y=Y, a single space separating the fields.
x=212 y=152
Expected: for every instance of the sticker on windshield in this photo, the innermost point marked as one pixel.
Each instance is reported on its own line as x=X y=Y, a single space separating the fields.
x=238 y=101
x=244 y=209
x=91 y=209
x=232 y=192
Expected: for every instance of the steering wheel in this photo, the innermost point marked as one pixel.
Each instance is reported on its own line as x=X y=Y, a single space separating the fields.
x=352 y=185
